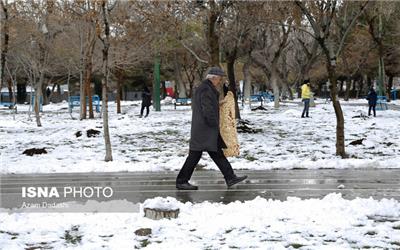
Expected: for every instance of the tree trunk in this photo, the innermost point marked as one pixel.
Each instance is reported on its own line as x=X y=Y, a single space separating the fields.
x=275 y=85
x=44 y=93
x=360 y=87
x=370 y=83
x=88 y=90
x=341 y=88
x=389 y=88
x=286 y=88
x=10 y=90
x=82 y=108
x=88 y=67
x=178 y=77
x=354 y=84
x=232 y=82
x=106 y=44
x=53 y=91
x=348 y=87
x=247 y=82
x=348 y=77
x=4 y=47
x=119 y=90
x=38 y=96
x=212 y=34
x=43 y=61
x=340 y=147
x=213 y=39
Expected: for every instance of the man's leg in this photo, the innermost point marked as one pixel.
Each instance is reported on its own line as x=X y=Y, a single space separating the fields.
x=374 y=109
x=307 y=106
x=141 y=111
x=369 y=110
x=222 y=163
x=304 y=109
x=147 y=111
x=188 y=167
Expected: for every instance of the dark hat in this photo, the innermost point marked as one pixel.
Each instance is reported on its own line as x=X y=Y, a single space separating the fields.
x=217 y=71
x=306 y=81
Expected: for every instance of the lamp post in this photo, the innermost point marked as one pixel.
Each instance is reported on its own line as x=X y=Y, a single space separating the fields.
x=381 y=73
x=156 y=89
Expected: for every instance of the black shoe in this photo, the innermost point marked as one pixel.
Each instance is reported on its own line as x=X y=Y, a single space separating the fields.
x=186 y=186
x=235 y=180
x=302 y=116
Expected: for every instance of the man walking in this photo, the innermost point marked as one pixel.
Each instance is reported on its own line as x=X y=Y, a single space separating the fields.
x=305 y=96
x=205 y=135
x=146 y=101
x=372 y=99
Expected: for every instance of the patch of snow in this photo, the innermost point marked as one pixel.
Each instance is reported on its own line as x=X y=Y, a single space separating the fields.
x=328 y=223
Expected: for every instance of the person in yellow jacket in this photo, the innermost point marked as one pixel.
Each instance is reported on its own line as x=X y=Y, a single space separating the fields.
x=227 y=124
x=306 y=96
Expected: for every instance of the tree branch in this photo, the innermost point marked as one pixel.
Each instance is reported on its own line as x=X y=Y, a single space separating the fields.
x=353 y=21
x=309 y=17
x=193 y=53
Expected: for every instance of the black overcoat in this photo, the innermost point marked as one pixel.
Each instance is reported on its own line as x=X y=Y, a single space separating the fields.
x=204 y=134
x=372 y=98
x=146 y=98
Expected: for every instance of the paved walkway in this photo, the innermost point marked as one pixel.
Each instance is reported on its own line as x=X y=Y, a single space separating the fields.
x=277 y=184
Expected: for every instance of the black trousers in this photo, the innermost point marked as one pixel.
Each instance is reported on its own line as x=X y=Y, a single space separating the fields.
x=373 y=108
x=142 y=109
x=194 y=157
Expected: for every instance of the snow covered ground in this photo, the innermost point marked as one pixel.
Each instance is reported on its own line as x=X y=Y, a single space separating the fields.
x=160 y=142
x=330 y=223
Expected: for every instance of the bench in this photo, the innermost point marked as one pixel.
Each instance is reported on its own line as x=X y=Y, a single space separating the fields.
x=75 y=101
x=182 y=102
x=9 y=104
x=381 y=103
x=256 y=98
x=267 y=96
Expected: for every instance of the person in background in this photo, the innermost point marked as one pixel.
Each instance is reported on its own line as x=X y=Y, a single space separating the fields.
x=146 y=101
x=372 y=98
x=205 y=134
x=305 y=96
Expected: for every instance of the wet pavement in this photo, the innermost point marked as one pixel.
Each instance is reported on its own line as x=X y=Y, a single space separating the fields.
x=275 y=184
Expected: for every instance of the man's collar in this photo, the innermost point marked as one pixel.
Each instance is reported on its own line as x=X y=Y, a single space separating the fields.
x=212 y=85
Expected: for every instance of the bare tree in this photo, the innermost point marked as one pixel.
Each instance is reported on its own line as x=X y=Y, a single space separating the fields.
x=321 y=16
x=4 y=23
x=273 y=40
x=104 y=36
x=86 y=13
x=130 y=43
